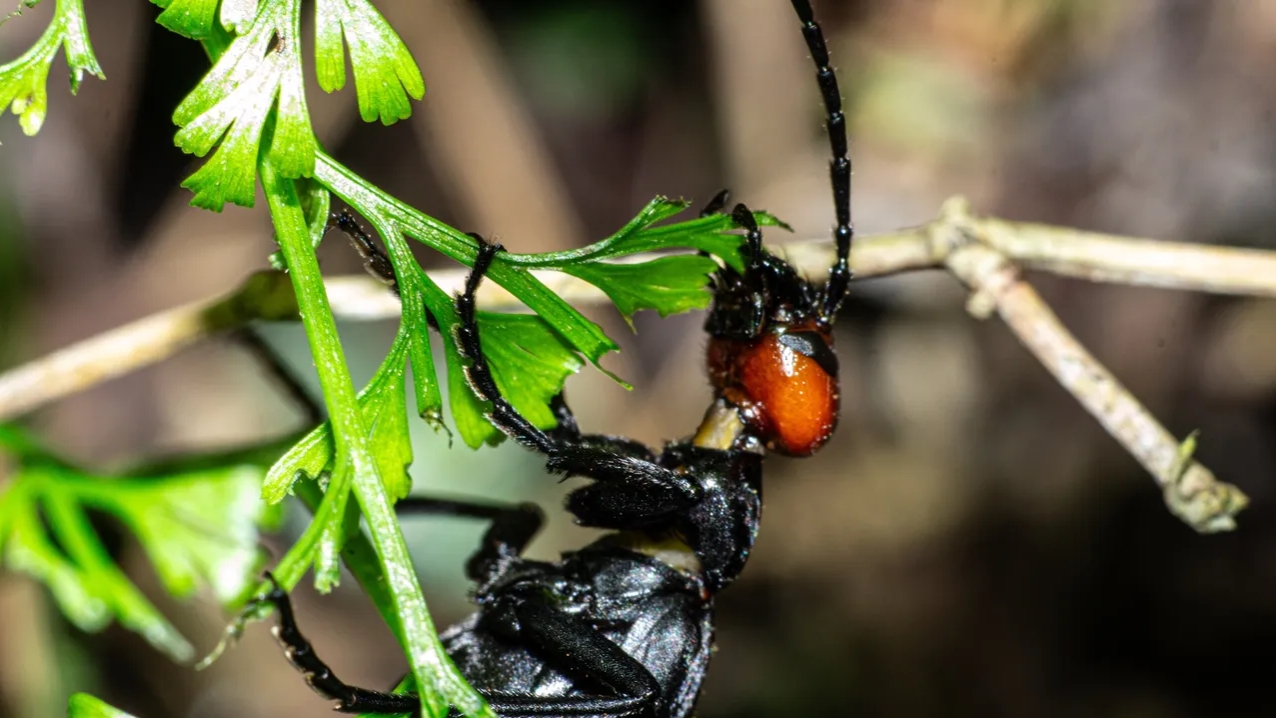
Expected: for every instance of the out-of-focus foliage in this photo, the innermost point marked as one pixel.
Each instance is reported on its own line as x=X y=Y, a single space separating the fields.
x=83 y=705
x=197 y=525
x=24 y=81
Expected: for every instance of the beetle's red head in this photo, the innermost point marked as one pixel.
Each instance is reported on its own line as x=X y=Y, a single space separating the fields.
x=785 y=384
x=770 y=351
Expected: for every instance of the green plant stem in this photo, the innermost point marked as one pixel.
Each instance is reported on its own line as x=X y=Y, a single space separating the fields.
x=430 y=664
x=359 y=555
x=387 y=211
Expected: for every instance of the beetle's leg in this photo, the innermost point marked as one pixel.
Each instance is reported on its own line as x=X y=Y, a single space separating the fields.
x=375 y=260
x=503 y=414
x=350 y=699
x=513 y=526
x=568 y=432
x=629 y=491
x=740 y=300
x=511 y=706
x=743 y=217
x=592 y=660
x=716 y=204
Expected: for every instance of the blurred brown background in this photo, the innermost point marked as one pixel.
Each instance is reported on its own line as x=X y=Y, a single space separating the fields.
x=970 y=544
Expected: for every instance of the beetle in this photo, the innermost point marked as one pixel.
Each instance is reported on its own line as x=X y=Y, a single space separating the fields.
x=624 y=625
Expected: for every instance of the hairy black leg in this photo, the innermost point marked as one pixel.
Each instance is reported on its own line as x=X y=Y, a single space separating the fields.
x=743 y=218
x=716 y=204
x=580 y=651
x=513 y=526
x=740 y=305
x=628 y=491
x=568 y=432
x=503 y=414
x=568 y=707
x=567 y=428
x=840 y=166
x=375 y=261
x=350 y=699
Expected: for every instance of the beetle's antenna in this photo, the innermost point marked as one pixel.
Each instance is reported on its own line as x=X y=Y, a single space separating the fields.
x=840 y=166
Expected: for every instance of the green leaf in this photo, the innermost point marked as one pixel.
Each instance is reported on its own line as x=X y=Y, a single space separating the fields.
x=246 y=55
x=198 y=528
x=708 y=234
x=393 y=220
x=385 y=409
x=83 y=705
x=217 y=43
x=469 y=414
x=429 y=400
x=584 y=335
x=75 y=38
x=215 y=543
x=415 y=323
x=293 y=144
x=237 y=15
x=330 y=49
x=667 y=285
x=23 y=81
x=385 y=75
x=670 y=285
x=22 y=85
x=259 y=72
x=231 y=174
x=384 y=404
x=657 y=210
x=197 y=524
x=28 y=549
x=331 y=523
x=529 y=362
x=105 y=580
x=189 y=18
x=308 y=458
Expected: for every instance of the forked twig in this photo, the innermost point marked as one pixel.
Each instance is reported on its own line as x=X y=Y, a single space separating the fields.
x=986 y=254
x=1190 y=489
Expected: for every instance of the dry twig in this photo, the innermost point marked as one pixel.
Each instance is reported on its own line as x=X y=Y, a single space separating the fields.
x=986 y=254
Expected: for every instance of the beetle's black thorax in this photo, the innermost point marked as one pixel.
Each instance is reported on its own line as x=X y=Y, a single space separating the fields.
x=721 y=528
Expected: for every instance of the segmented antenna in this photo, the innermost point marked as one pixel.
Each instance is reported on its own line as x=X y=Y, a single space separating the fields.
x=840 y=165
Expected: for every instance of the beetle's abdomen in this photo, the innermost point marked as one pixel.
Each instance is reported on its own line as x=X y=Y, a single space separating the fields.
x=788 y=397
x=656 y=614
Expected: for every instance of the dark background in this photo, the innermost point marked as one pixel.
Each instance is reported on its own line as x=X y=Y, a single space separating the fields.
x=970 y=544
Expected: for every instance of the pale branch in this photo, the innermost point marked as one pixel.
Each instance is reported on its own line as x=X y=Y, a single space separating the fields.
x=265 y=295
x=1141 y=262
x=985 y=253
x=1190 y=489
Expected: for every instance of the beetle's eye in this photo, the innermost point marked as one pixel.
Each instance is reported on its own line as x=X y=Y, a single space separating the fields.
x=814 y=346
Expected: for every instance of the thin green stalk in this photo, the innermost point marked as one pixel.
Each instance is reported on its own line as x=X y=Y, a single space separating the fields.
x=430 y=663
x=360 y=556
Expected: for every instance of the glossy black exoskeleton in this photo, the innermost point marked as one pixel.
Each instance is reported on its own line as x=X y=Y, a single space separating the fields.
x=624 y=626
